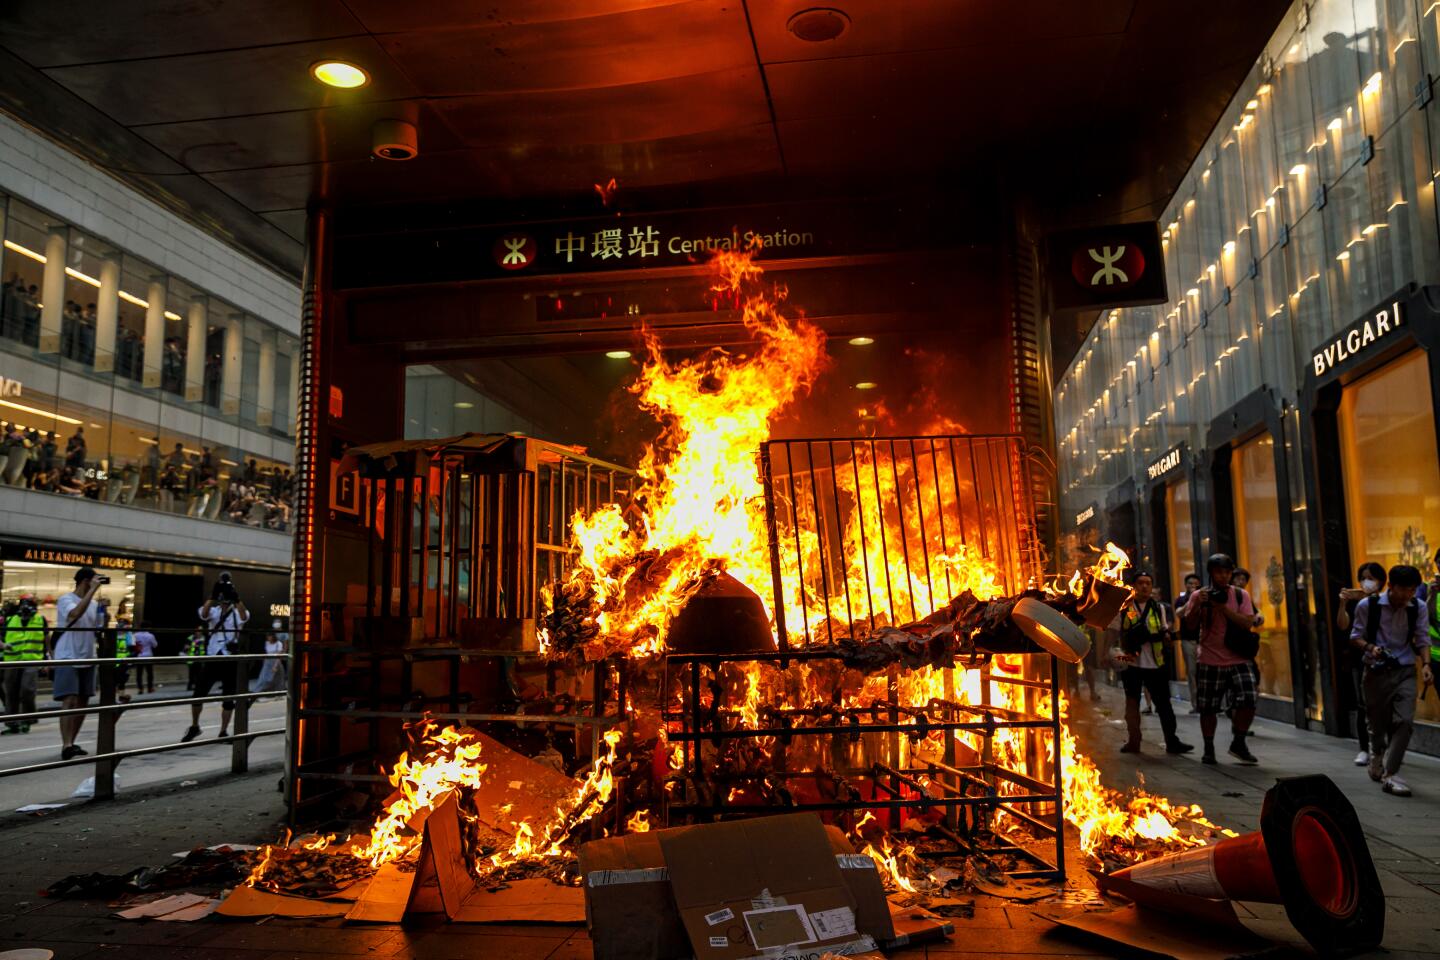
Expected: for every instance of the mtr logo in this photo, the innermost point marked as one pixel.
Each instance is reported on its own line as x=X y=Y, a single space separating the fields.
x=1108 y=266
x=1120 y=265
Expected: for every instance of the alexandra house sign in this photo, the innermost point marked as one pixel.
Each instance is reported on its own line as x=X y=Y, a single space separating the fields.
x=1120 y=265
x=1360 y=337
x=1166 y=464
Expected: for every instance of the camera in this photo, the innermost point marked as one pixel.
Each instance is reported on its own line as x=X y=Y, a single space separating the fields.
x=224 y=590
x=102 y=580
x=1215 y=594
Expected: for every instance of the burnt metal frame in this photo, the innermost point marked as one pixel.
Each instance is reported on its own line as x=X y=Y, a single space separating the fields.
x=998 y=463
x=693 y=732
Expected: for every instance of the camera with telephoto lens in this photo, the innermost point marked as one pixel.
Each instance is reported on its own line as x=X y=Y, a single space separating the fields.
x=224 y=590
x=1216 y=595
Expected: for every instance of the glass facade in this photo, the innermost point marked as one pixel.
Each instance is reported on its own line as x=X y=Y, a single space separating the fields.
x=1312 y=201
x=124 y=384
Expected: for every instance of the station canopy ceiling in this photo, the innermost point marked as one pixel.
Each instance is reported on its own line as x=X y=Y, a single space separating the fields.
x=1096 y=106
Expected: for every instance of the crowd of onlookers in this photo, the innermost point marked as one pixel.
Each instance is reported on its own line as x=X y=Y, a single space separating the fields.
x=250 y=495
x=20 y=320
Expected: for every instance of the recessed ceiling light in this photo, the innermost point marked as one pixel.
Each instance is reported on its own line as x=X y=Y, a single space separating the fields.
x=618 y=354
x=861 y=341
x=338 y=73
x=818 y=24
x=866 y=385
x=463 y=404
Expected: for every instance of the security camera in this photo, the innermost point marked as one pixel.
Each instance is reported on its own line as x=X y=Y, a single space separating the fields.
x=394 y=140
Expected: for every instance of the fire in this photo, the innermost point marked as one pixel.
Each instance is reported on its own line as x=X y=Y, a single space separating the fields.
x=639 y=823
x=700 y=498
x=889 y=860
x=1111 y=565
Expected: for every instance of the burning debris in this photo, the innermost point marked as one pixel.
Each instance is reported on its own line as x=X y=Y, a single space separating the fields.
x=923 y=723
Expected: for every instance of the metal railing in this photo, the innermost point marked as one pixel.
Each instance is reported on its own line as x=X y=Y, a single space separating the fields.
x=108 y=708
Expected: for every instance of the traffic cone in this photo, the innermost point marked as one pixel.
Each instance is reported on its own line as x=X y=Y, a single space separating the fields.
x=1309 y=855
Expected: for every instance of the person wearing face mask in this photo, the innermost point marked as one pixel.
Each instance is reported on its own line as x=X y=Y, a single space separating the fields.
x=1391 y=633
x=1371 y=577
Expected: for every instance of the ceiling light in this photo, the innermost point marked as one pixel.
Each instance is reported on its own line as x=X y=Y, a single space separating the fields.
x=338 y=73
x=818 y=24
x=618 y=354
x=463 y=404
x=1252 y=105
x=1335 y=124
x=866 y=385
x=42 y=413
x=861 y=341
x=1298 y=170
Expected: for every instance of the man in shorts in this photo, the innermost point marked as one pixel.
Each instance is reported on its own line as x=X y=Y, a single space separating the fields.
x=79 y=617
x=1221 y=674
x=224 y=615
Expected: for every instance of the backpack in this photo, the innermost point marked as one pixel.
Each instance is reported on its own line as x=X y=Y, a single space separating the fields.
x=1242 y=641
x=1372 y=619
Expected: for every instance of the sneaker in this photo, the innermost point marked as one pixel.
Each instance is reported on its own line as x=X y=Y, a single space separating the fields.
x=1395 y=786
x=1130 y=748
x=1362 y=759
x=11 y=728
x=1176 y=746
x=68 y=753
x=1208 y=757
x=190 y=734
x=1377 y=768
x=80 y=751
x=1240 y=752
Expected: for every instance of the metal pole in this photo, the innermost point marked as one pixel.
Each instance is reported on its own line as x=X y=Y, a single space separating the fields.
x=105 y=734
x=240 y=749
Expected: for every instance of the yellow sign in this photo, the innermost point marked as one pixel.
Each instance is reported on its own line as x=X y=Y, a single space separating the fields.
x=77 y=559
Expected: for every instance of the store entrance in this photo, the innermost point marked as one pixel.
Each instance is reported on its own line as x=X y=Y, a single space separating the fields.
x=1391 y=473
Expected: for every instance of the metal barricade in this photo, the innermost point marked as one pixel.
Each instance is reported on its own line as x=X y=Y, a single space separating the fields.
x=108 y=709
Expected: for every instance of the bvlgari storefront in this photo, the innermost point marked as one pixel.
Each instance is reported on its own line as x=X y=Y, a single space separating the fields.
x=1370 y=399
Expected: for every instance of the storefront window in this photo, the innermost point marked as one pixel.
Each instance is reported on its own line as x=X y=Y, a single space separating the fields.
x=1391 y=471
x=1180 y=534
x=1257 y=537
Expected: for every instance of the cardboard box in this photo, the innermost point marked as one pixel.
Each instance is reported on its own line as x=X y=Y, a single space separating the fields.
x=630 y=904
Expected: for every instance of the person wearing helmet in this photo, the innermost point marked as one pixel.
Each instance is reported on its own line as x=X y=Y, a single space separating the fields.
x=1225 y=671
x=24 y=641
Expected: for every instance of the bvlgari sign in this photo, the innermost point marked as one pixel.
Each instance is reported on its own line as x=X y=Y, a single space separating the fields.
x=1359 y=337
x=1168 y=461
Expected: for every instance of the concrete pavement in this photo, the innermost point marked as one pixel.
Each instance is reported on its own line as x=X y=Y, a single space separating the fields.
x=146 y=826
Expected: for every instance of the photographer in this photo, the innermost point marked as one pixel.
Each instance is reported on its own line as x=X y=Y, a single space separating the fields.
x=1144 y=639
x=223 y=616
x=1392 y=636
x=1225 y=666
x=79 y=614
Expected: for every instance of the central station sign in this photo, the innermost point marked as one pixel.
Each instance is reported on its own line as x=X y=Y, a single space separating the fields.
x=643 y=241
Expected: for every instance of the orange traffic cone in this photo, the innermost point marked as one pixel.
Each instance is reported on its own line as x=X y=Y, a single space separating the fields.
x=1309 y=855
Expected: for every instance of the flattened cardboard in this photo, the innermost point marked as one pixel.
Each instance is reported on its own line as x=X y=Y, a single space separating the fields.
x=1161 y=933
x=249 y=902
x=751 y=867
x=384 y=899
x=530 y=790
x=535 y=900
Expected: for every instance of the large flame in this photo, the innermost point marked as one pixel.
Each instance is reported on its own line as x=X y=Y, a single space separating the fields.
x=699 y=496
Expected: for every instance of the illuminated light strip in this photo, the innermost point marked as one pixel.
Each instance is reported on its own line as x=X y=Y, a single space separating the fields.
x=40 y=413
x=84 y=277
x=24 y=251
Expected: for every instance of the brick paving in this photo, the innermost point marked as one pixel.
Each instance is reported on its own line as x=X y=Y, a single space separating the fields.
x=146 y=827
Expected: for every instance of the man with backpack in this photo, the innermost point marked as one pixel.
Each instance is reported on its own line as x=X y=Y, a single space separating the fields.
x=1144 y=640
x=1225 y=667
x=1392 y=636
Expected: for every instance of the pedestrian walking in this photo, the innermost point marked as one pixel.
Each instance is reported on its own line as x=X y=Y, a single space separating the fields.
x=143 y=644
x=1392 y=637
x=273 y=673
x=1189 y=636
x=1226 y=674
x=79 y=618
x=24 y=641
x=1144 y=629
x=224 y=615
x=1371 y=580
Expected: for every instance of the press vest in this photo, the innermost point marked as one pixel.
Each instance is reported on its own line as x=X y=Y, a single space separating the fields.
x=26 y=641
x=1130 y=617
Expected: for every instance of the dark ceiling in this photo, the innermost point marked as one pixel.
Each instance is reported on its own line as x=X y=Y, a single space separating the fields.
x=1092 y=108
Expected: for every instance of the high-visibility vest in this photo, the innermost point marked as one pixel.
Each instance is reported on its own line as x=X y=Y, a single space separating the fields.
x=122 y=646
x=1154 y=624
x=25 y=641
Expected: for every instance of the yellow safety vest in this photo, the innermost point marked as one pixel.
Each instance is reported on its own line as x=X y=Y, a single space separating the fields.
x=25 y=641
x=1130 y=617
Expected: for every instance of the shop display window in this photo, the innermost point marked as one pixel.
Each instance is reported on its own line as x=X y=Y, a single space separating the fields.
x=1391 y=472
x=1258 y=549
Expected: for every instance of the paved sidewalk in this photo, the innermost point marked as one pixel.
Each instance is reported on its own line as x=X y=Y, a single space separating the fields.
x=146 y=827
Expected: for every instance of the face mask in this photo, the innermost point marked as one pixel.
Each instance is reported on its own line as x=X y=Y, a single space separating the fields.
x=1370 y=586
